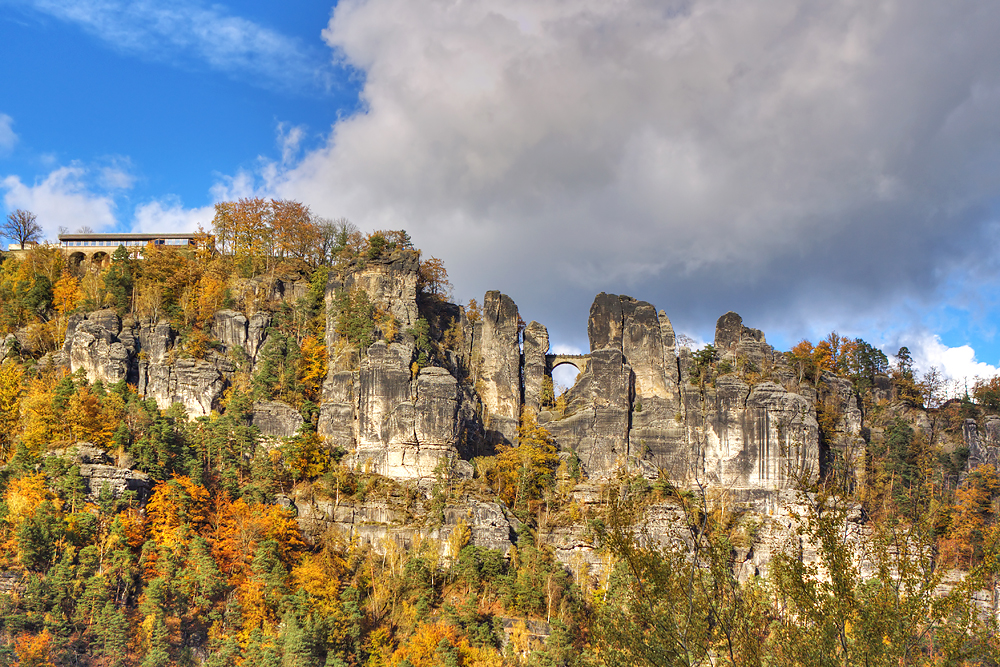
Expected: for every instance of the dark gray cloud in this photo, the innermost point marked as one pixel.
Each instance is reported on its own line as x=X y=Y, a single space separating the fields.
x=803 y=163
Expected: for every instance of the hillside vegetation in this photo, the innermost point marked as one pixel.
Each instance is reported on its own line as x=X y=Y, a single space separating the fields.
x=189 y=549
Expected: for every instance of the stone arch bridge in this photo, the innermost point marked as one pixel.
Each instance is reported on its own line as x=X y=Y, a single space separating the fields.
x=579 y=361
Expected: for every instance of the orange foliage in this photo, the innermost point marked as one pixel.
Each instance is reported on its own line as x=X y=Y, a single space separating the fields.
x=969 y=517
x=176 y=504
x=88 y=419
x=33 y=650
x=24 y=495
x=432 y=278
x=240 y=526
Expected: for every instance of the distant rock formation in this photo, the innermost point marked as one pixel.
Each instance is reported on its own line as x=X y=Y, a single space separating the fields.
x=641 y=402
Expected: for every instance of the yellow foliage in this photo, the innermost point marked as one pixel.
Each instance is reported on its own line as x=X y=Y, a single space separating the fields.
x=24 y=495
x=40 y=426
x=521 y=473
x=421 y=649
x=66 y=293
x=318 y=575
x=11 y=376
x=459 y=537
x=88 y=420
x=312 y=367
x=306 y=456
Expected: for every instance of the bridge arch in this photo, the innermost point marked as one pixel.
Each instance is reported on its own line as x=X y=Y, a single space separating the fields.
x=578 y=361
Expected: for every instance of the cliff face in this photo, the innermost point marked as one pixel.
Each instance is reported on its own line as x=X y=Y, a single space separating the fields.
x=139 y=352
x=641 y=402
x=394 y=421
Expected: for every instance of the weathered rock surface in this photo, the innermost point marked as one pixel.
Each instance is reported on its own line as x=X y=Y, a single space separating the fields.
x=376 y=523
x=405 y=429
x=984 y=447
x=275 y=419
x=536 y=346
x=637 y=404
x=497 y=366
x=230 y=328
x=99 y=470
x=140 y=353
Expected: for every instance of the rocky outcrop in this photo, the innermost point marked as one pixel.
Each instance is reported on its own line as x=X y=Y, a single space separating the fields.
x=9 y=347
x=99 y=470
x=984 y=447
x=497 y=366
x=638 y=404
x=275 y=419
x=94 y=346
x=389 y=281
x=405 y=429
x=230 y=328
x=377 y=523
x=139 y=352
x=236 y=332
x=536 y=346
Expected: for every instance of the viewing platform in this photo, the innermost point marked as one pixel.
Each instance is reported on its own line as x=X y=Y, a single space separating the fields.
x=96 y=249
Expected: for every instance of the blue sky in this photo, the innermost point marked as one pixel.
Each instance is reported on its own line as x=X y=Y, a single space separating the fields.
x=814 y=167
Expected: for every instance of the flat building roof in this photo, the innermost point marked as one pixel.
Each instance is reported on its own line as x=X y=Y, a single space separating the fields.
x=119 y=237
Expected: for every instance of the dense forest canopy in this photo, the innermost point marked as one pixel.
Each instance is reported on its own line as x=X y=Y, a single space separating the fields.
x=203 y=561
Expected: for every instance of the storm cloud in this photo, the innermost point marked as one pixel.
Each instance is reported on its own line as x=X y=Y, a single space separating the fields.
x=803 y=163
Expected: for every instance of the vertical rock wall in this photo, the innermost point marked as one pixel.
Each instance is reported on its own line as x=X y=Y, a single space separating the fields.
x=536 y=346
x=497 y=366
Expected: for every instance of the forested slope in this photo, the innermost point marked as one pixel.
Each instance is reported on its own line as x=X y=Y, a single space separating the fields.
x=287 y=447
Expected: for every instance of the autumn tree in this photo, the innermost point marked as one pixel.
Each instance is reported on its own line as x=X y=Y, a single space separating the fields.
x=244 y=229
x=256 y=232
x=524 y=470
x=295 y=233
x=432 y=279
x=22 y=226
x=802 y=358
x=11 y=390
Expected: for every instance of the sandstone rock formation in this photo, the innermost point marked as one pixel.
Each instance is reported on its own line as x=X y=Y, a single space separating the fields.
x=984 y=448
x=140 y=353
x=497 y=366
x=275 y=419
x=391 y=420
x=99 y=470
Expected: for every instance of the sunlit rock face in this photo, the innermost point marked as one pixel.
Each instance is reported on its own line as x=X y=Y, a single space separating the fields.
x=415 y=410
x=642 y=403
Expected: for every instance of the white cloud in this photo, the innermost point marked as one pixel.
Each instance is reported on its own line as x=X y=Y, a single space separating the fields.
x=184 y=30
x=116 y=177
x=171 y=217
x=703 y=155
x=61 y=199
x=955 y=363
x=8 y=138
x=290 y=139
